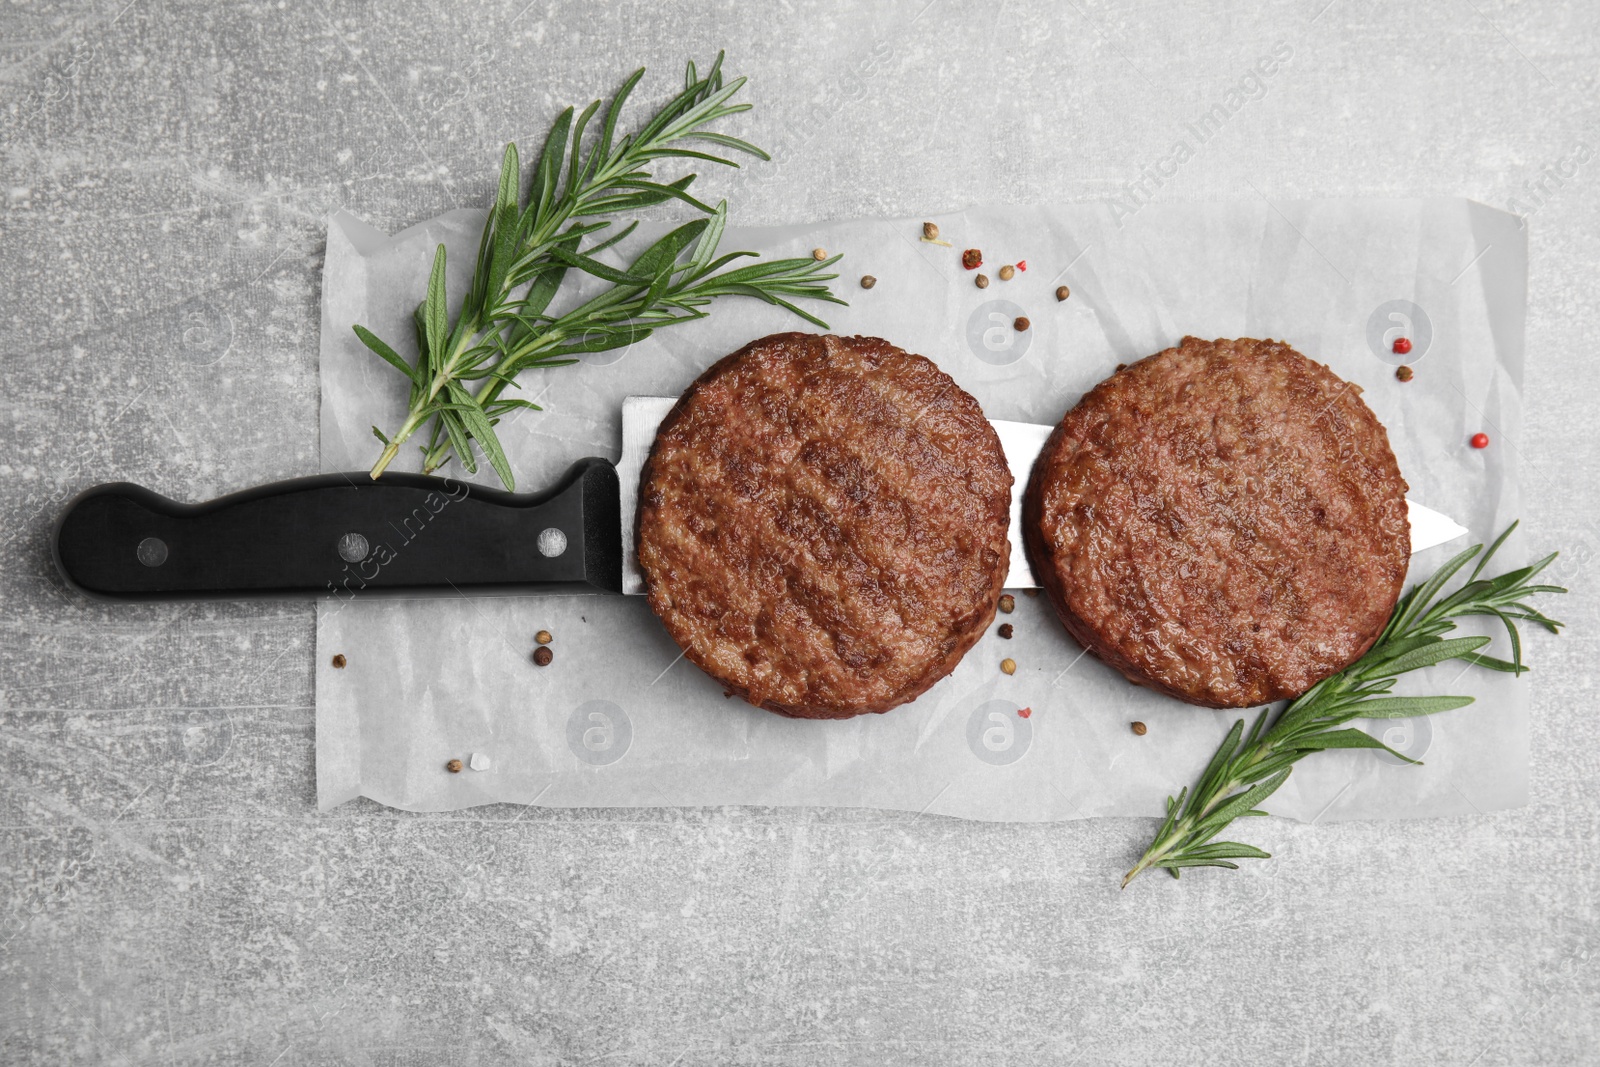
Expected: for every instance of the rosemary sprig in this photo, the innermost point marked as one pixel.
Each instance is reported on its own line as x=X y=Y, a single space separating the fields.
x=1249 y=767
x=531 y=239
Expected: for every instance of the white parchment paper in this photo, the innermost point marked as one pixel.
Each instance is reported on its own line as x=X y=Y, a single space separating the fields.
x=619 y=719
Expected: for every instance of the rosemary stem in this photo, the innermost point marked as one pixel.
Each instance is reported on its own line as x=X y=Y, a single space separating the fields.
x=387 y=457
x=495 y=383
x=1185 y=824
x=1181 y=830
x=415 y=418
x=407 y=428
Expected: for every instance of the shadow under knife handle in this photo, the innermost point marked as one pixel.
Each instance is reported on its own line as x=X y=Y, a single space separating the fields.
x=345 y=535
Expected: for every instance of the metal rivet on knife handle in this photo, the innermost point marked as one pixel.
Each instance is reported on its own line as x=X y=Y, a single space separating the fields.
x=353 y=548
x=552 y=542
x=152 y=552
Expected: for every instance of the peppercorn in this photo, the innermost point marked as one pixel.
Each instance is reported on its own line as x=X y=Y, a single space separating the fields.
x=1006 y=630
x=1404 y=372
x=1022 y=324
x=1140 y=728
x=1007 y=272
x=542 y=656
x=868 y=281
x=339 y=661
x=1008 y=666
x=1062 y=292
x=1480 y=440
x=972 y=259
x=543 y=637
x=819 y=253
x=1008 y=603
x=454 y=766
x=1401 y=345
x=930 y=232
x=981 y=281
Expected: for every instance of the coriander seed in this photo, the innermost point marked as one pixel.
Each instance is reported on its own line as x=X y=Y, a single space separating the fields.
x=1008 y=603
x=1008 y=666
x=1007 y=272
x=1062 y=292
x=819 y=253
x=543 y=637
x=930 y=231
x=339 y=661
x=981 y=281
x=1140 y=728
x=454 y=766
x=1404 y=372
x=868 y=281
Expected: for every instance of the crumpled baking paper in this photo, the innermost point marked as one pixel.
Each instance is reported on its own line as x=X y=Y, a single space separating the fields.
x=620 y=719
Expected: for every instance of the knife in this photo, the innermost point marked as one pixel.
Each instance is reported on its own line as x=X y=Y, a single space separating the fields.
x=344 y=535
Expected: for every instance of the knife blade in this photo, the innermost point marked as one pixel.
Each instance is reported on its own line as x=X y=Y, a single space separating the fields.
x=1021 y=441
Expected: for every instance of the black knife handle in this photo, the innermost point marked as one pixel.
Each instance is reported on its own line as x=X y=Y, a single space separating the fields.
x=345 y=535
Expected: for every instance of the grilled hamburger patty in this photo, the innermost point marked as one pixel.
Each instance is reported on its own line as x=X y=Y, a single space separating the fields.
x=822 y=524
x=1223 y=522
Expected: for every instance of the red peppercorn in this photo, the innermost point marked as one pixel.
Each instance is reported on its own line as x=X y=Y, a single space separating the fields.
x=1022 y=264
x=1480 y=440
x=1401 y=346
x=972 y=259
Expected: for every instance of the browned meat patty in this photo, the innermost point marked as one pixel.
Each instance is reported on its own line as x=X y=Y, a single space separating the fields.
x=1223 y=522
x=822 y=524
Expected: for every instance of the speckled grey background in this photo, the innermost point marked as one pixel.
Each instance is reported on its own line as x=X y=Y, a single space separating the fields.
x=168 y=893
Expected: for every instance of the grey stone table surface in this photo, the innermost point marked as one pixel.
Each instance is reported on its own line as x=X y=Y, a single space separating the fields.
x=168 y=891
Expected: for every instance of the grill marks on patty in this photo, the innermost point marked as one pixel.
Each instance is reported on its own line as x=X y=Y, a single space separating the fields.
x=823 y=523
x=1223 y=521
